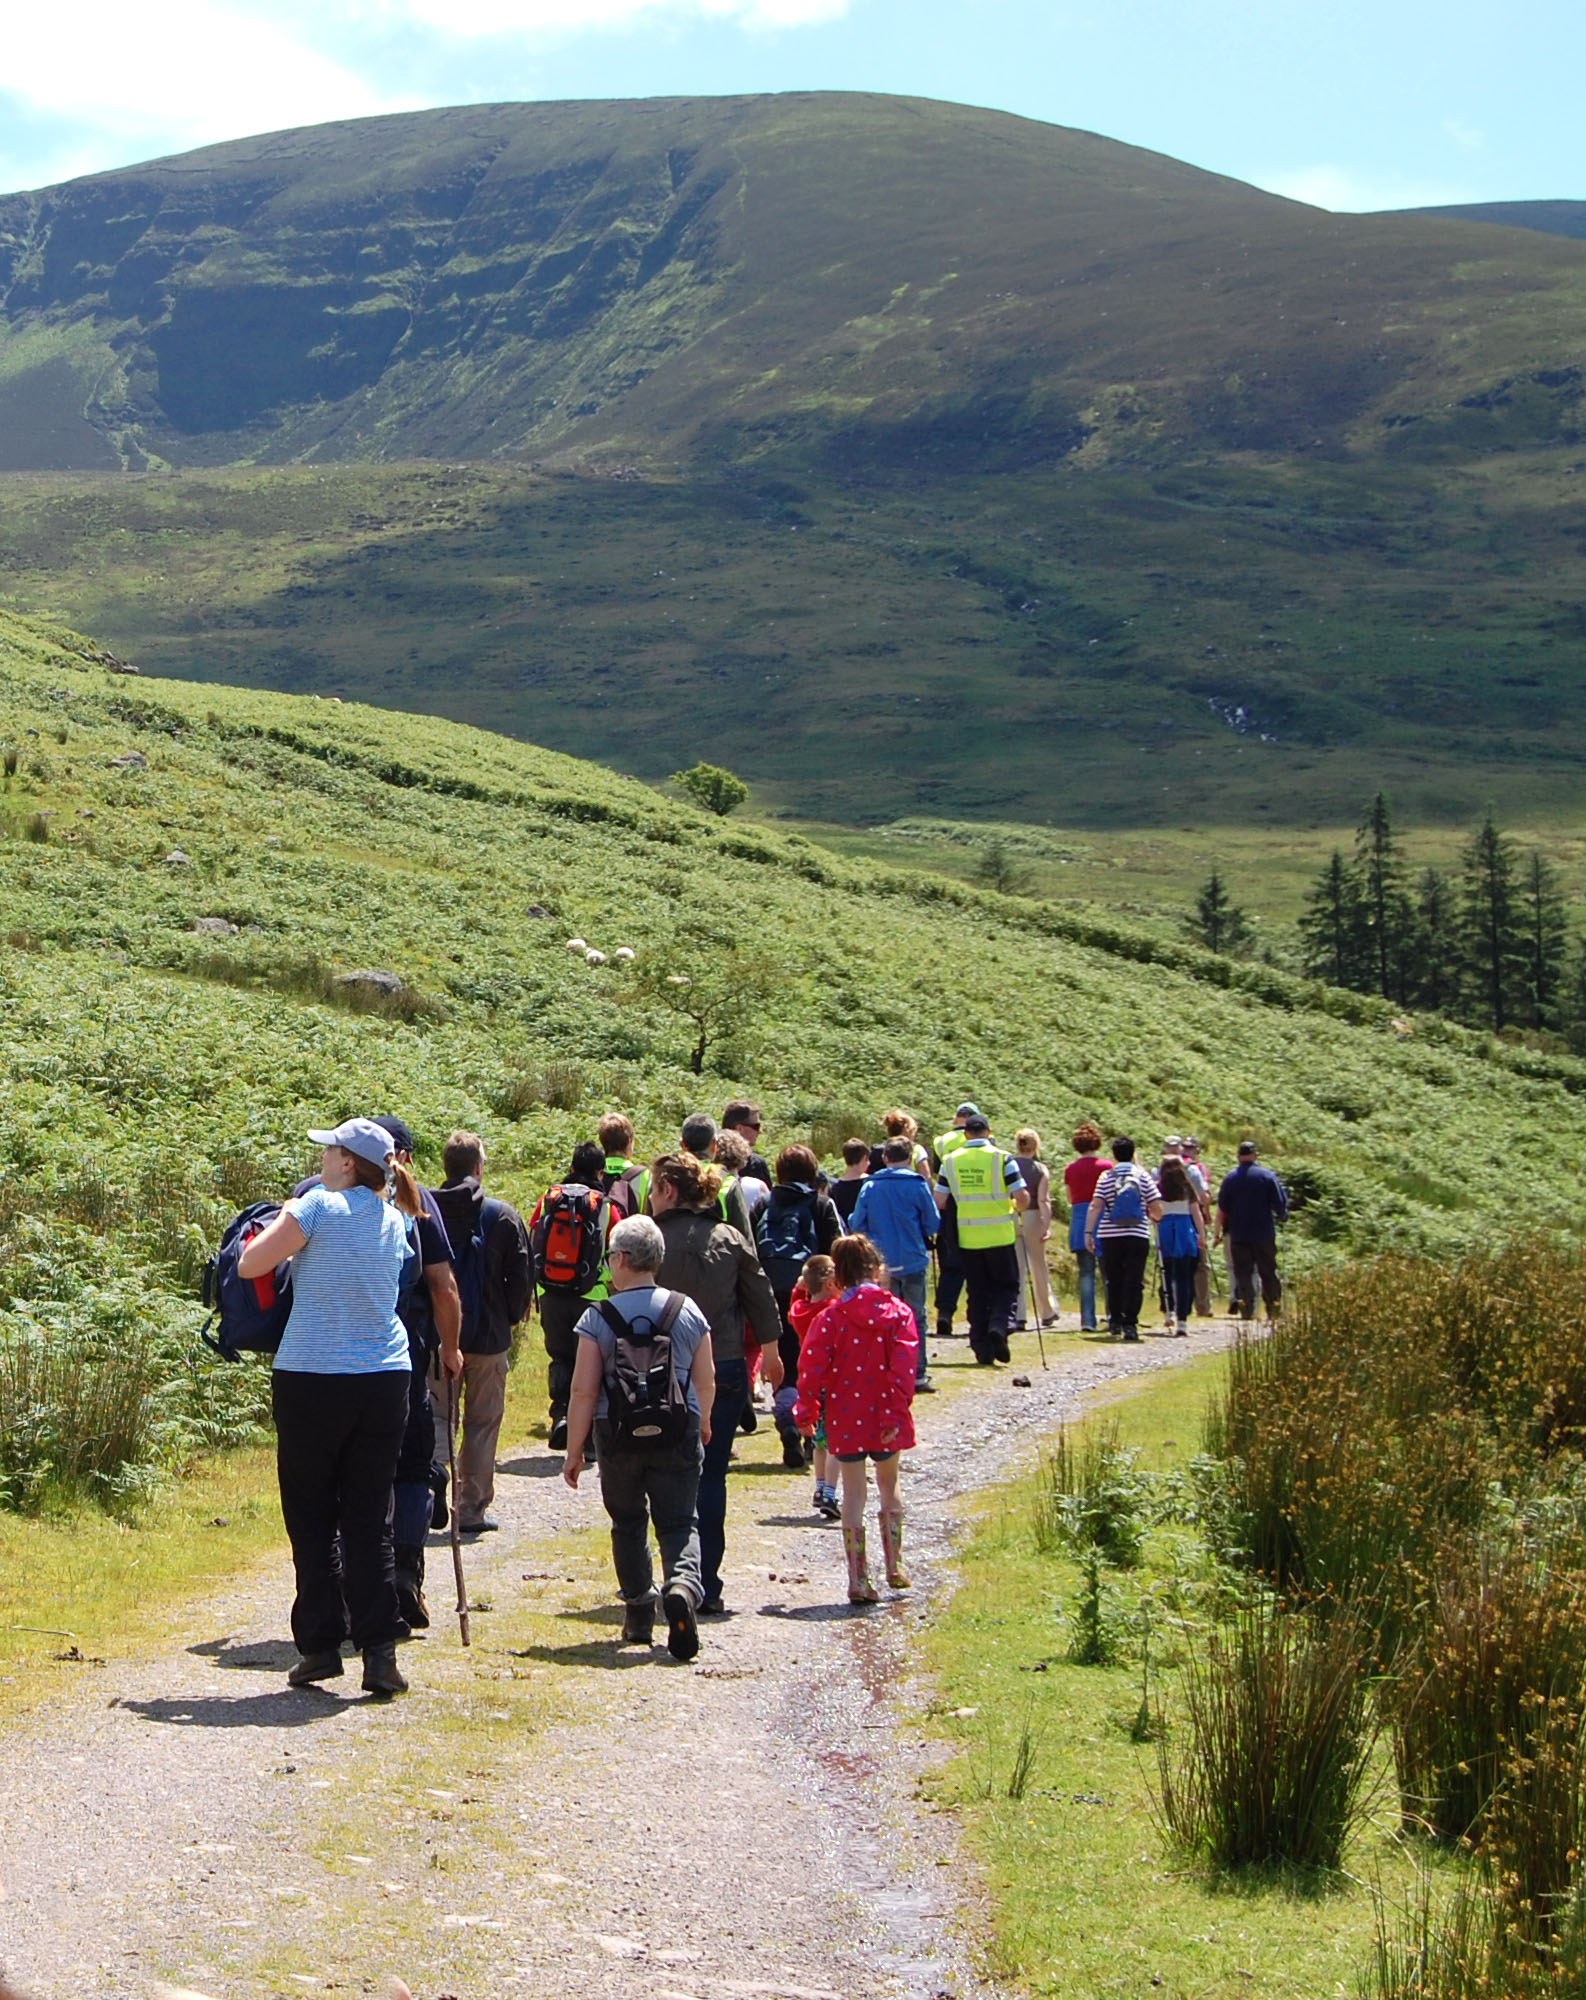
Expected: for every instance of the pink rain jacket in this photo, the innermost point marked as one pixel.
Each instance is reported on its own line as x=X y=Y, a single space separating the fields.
x=857 y=1362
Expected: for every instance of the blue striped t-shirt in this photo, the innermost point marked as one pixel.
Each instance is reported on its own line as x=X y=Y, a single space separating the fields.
x=345 y=1282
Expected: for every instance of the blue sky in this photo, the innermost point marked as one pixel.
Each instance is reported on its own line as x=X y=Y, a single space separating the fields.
x=1340 y=102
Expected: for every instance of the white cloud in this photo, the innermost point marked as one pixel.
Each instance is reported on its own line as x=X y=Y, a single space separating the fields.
x=540 y=20
x=1345 y=190
x=174 y=72
x=1469 y=137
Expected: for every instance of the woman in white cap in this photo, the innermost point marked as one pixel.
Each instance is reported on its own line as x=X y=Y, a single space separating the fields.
x=340 y=1397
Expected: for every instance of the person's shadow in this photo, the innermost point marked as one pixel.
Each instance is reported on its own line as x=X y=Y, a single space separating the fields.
x=549 y=1467
x=281 y=1708
x=269 y=1656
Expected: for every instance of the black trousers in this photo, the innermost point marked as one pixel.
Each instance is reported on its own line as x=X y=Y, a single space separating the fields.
x=336 y=1444
x=991 y=1278
x=949 y=1289
x=1248 y=1259
x=1123 y=1259
x=560 y=1313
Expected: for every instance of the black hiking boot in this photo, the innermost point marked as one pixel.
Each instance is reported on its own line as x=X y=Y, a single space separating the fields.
x=410 y=1585
x=748 y=1423
x=558 y=1437
x=682 y=1626
x=638 y=1625
x=315 y=1667
x=792 y=1451
x=381 y=1674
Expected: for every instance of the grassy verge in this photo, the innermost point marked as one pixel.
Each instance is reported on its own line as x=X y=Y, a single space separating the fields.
x=1086 y=1897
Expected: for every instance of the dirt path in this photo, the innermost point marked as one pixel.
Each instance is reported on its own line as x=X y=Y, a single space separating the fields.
x=547 y=1815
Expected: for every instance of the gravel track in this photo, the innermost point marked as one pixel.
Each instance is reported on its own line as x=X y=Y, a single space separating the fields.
x=747 y=1827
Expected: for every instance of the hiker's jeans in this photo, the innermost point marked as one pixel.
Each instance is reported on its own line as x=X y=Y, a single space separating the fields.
x=1123 y=1259
x=732 y=1398
x=910 y=1287
x=1249 y=1260
x=645 y=1488
x=336 y=1444
x=1178 y=1278
x=1086 y=1261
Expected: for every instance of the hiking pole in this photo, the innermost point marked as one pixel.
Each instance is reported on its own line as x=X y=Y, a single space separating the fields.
x=457 y=1540
x=1035 y=1317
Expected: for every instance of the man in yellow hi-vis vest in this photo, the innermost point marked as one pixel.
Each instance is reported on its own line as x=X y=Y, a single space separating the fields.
x=987 y=1191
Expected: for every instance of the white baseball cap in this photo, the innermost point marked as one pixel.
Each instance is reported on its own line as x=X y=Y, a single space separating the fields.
x=362 y=1136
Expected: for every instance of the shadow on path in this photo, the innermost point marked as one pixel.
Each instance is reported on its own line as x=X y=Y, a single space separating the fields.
x=290 y=1708
x=271 y=1656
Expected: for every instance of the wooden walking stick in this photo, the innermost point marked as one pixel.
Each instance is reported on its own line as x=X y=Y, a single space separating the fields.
x=457 y=1542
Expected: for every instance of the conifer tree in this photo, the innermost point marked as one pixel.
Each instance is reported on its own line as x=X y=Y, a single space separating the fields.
x=1433 y=960
x=1542 y=921
x=1332 y=927
x=1386 y=912
x=1491 y=926
x=1219 y=923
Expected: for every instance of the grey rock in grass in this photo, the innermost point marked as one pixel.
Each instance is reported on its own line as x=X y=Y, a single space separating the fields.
x=214 y=927
x=177 y=859
x=536 y=910
x=371 y=979
x=130 y=760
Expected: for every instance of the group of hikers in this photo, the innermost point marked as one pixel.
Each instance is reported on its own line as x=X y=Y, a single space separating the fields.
x=671 y=1294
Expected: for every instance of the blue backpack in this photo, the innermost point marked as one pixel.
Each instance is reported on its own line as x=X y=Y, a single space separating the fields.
x=1128 y=1203
x=249 y=1314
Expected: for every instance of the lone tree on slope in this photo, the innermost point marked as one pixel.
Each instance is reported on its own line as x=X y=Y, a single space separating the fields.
x=711 y=788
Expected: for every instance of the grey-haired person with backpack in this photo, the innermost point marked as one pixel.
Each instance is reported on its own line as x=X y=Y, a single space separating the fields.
x=710 y=1262
x=644 y=1383
x=495 y=1283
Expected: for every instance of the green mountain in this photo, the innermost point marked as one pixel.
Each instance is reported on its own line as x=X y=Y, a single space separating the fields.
x=905 y=457
x=1552 y=218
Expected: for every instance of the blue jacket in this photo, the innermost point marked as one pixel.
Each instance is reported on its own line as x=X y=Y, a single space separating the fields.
x=1253 y=1202
x=897 y=1211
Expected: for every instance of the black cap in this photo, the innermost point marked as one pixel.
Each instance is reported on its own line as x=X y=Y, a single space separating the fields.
x=401 y=1137
x=977 y=1121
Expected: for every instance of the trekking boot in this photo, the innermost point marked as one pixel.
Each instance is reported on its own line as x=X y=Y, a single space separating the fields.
x=314 y=1667
x=892 y=1550
x=792 y=1451
x=381 y=1674
x=558 y=1438
x=860 y=1589
x=638 y=1623
x=749 y=1422
x=410 y=1585
x=682 y=1624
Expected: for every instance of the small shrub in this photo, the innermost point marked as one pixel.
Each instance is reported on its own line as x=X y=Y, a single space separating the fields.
x=77 y=1420
x=1270 y=1762
x=557 y=1087
x=1091 y=1495
x=1097 y=1637
x=37 y=827
x=12 y=758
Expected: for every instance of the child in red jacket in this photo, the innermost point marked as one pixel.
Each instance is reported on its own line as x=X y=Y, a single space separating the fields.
x=814 y=1292
x=856 y=1369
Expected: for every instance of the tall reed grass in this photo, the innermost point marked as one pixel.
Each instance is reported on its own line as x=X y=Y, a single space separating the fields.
x=77 y=1421
x=1269 y=1763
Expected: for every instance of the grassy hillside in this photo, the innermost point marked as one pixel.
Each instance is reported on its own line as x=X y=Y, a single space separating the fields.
x=910 y=458
x=161 y=1068
x=1552 y=218
x=1221 y=646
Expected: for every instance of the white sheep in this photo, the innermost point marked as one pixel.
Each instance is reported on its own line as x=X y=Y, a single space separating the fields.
x=594 y=958
x=577 y=944
x=623 y=953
